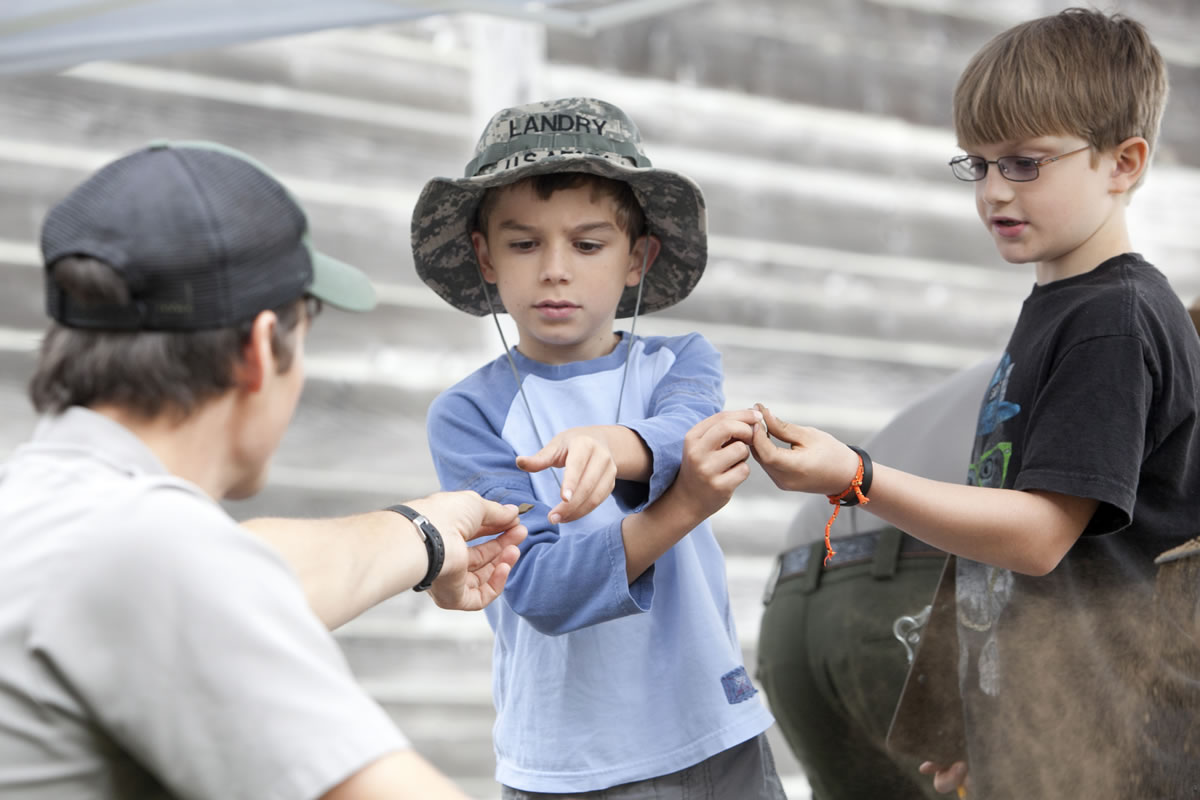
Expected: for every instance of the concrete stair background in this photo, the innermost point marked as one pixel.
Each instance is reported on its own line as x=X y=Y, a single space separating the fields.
x=847 y=270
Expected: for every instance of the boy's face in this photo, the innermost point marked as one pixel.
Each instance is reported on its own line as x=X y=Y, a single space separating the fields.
x=560 y=266
x=1067 y=220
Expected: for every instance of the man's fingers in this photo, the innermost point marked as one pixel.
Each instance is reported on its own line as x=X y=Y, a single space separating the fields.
x=494 y=585
x=488 y=551
x=496 y=517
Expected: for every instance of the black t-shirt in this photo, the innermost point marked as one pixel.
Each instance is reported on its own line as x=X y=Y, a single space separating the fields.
x=1096 y=396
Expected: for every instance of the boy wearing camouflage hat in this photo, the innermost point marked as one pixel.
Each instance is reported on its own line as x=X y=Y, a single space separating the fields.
x=616 y=661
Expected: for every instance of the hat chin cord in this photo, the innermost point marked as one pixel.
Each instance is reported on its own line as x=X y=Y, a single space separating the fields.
x=624 y=372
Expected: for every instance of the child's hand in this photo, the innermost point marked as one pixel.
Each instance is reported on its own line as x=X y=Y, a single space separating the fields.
x=715 y=455
x=947 y=779
x=815 y=462
x=589 y=475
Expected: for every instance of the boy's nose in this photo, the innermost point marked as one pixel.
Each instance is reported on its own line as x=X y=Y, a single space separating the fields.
x=555 y=265
x=994 y=189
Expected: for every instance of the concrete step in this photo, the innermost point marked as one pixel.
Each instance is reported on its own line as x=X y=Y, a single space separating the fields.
x=893 y=58
x=421 y=63
x=322 y=135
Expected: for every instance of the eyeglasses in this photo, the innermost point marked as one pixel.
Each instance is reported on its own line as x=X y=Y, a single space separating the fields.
x=1015 y=168
x=312 y=307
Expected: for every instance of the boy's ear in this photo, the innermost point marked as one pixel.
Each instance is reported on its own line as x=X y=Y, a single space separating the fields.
x=483 y=256
x=1130 y=159
x=258 y=359
x=638 y=254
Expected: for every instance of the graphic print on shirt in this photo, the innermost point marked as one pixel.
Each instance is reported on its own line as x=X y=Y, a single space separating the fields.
x=983 y=590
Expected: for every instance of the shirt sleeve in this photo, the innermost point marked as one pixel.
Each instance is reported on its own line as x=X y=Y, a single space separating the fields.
x=1087 y=432
x=560 y=583
x=690 y=392
x=192 y=645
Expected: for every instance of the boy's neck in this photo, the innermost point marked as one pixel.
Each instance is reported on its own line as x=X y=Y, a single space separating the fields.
x=581 y=351
x=1110 y=240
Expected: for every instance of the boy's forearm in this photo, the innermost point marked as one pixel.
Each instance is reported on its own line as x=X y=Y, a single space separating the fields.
x=654 y=530
x=1027 y=532
x=631 y=455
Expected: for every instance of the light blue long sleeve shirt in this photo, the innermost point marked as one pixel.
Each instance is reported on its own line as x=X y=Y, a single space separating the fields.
x=597 y=681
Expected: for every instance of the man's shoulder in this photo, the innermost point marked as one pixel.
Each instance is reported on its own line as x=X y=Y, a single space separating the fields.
x=158 y=524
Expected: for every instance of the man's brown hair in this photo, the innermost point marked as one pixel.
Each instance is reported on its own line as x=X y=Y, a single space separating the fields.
x=630 y=217
x=145 y=372
x=1079 y=72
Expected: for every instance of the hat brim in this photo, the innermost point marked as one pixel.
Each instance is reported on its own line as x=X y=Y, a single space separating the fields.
x=444 y=217
x=339 y=284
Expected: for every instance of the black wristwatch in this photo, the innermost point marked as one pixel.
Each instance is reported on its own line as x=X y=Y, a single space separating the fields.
x=434 y=545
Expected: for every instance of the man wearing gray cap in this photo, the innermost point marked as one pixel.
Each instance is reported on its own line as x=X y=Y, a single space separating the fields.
x=149 y=645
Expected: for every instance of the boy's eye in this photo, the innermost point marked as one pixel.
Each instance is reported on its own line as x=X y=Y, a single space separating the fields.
x=522 y=245
x=589 y=247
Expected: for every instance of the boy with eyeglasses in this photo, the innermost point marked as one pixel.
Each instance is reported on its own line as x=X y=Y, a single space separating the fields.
x=1086 y=460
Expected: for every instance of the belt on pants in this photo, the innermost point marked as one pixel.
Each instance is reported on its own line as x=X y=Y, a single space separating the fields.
x=882 y=549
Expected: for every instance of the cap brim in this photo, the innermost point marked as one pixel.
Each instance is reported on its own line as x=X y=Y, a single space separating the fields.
x=339 y=284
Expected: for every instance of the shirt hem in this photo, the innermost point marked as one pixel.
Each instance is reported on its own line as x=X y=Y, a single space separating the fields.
x=681 y=758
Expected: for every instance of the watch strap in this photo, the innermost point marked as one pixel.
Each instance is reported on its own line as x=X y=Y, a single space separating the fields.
x=434 y=546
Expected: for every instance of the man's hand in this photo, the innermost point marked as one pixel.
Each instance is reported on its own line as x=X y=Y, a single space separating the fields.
x=814 y=461
x=947 y=779
x=589 y=470
x=472 y=577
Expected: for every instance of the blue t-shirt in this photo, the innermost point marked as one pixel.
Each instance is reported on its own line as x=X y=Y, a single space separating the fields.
x=597 y=681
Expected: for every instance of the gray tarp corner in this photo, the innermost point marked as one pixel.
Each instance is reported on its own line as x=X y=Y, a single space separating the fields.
x=50 y=35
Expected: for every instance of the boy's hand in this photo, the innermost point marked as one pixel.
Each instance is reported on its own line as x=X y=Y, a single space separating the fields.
x=715 y=455
x=589 y=471
x=814 y=462
x=472 y=577
x=947 y=779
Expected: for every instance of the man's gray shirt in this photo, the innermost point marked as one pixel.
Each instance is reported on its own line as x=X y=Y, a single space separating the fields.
x=150 y=646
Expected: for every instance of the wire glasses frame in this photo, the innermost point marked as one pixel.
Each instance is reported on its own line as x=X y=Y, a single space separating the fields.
x=1015 y=168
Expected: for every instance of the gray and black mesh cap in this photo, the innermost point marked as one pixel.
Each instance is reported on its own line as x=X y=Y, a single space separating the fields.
x=204 y=237
x=572 y=134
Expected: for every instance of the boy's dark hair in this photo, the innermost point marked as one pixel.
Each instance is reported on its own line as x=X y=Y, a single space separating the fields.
x=1079 y=72
x=145 y=372
x=631 y=219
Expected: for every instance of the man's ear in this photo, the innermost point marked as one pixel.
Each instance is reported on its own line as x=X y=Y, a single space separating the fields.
x=483 y=256
x=258 y=359
x=645 y=250
x=1130 y=159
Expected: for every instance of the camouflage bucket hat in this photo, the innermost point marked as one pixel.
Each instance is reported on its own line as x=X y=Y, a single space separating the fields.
x=574 y=134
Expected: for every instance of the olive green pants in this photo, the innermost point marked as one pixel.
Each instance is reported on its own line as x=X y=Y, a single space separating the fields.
x=832 y=672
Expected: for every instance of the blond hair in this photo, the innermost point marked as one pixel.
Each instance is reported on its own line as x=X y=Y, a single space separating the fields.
x=1076 y=73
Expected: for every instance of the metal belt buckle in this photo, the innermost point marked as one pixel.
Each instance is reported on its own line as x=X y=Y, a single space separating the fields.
x=769 y=591
x=908 y=630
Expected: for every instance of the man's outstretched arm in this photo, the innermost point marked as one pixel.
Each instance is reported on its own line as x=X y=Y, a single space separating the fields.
x=349 y=564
